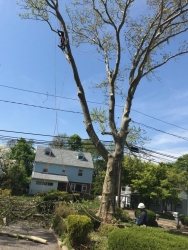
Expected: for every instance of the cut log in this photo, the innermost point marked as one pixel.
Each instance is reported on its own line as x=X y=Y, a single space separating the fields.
x=27 y=237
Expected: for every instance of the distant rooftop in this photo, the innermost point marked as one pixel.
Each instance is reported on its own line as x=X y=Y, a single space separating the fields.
x=63 y=157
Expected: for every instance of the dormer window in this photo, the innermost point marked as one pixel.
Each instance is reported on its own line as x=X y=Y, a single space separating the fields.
x=80 y=156
x=47 y=151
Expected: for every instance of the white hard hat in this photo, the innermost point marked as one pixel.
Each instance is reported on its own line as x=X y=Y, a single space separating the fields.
x=141 y=205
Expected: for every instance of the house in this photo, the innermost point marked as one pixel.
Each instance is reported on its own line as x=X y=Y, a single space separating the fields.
x=131 y=200
x=62 y=170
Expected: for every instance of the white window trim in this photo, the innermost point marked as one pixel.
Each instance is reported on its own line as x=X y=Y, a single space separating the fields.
x=84 y=186
x=73 y=187
x=80 y=172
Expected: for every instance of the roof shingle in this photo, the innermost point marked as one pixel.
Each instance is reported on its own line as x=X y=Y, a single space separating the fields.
x=51 y=177
x=63 y=157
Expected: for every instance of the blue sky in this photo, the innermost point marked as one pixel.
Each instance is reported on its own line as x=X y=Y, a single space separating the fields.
x=31 y=60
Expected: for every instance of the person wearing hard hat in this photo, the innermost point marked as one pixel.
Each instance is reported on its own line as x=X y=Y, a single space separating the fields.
x=142 y=220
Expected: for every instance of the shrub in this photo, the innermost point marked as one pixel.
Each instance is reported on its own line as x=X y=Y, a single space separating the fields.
x=1 y=191
x=46 y=207
x=87 y=196
x=184 y=220
x=41 y=194
x=6 y=192
x=55 y=195
x=75 y=197
x=64 y=209
x=59 y=225
x=122 y=215
x=151 y=217
x=167 y=216
x=145 y=238
x=96 y=221
x=79 y=227
x=106 y=229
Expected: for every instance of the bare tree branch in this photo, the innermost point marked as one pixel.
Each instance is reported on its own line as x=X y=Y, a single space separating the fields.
x=165 y=61
x=87 y=118
x=98 y=12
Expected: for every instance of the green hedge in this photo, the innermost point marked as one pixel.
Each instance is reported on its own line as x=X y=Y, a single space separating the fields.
x=151 y=217
x=145 y=239
x=106 y=229
x=167 y=216
x=96 y=221
x=184 y=220
x=59 y=225
x=78 y=227
x=122 y=215
x=55 y=195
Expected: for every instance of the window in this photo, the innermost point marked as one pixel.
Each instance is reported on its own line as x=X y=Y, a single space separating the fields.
x=47 y=151
x=45 y=170
x=80 y=172
x=80 y=156
x=84 y=188
x=41 y=183
x=78 y=188
x=44 y=183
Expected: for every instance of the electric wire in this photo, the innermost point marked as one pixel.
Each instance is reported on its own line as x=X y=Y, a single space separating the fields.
x=42 y=107
x=105 y=143
x=77 y=112
x=161 y=131
x=100 y=103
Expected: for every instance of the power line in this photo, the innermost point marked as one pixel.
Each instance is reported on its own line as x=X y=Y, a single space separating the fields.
x=77 y=112
x=161 y=131
x=42 y=107
x=45 y=135
x=74 y=99
x=106 y=143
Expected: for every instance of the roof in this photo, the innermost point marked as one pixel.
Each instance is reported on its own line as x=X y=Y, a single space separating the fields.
x=63 y=157
x=51 y=177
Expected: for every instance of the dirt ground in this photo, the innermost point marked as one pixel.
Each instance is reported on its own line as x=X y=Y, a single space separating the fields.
x=10 y=243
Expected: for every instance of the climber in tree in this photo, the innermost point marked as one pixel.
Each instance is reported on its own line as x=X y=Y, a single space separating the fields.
x=62 y=39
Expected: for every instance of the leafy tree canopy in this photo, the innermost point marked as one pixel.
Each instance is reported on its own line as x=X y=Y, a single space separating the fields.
x=75 y=143
x=182 y=162
x=23 y=151
x=161 y=181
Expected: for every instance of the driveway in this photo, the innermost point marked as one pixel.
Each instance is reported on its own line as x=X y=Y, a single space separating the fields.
x=10 y=243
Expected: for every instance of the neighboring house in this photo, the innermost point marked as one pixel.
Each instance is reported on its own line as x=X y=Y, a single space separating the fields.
x=132 y=199
x=62 y=170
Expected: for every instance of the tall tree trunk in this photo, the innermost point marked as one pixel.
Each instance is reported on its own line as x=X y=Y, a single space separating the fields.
x=110 y=188
x=119 y=184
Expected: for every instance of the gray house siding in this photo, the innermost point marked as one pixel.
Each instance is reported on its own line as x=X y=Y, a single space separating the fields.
x=62 y=170
x=70 y=171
